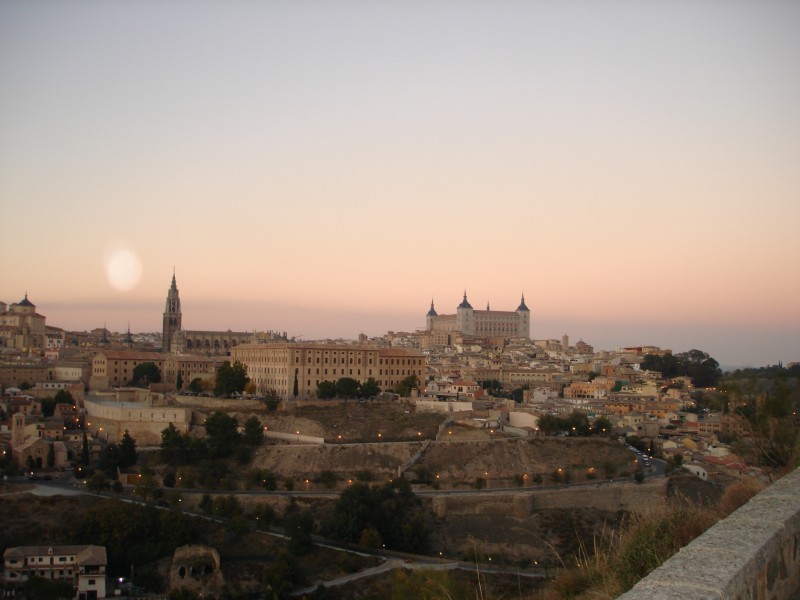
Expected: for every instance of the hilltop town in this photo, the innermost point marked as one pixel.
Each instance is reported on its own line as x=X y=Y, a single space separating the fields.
x=471 y=403
x=481 y=365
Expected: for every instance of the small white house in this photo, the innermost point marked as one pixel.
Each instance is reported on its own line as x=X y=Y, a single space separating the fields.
x=697 y=470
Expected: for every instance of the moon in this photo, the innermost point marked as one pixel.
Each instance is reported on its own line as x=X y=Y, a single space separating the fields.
x=123 y=267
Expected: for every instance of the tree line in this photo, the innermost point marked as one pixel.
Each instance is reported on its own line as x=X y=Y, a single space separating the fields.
x=701 y=368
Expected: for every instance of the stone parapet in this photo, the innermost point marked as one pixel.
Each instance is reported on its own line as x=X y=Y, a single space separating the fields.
x=752 y=554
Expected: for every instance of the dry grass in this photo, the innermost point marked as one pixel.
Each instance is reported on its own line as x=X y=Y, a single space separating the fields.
x=618 y=561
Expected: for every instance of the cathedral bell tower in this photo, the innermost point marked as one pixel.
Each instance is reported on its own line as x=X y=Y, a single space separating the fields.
x=172 y=316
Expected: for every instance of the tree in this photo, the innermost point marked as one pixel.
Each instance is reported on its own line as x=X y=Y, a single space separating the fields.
x=392 y=510
x=147 y=486
x=98 y=482
x=222 y=433
x=196 y=385
x=51 y=456
x=577 y=423
x=230 y=378
x=253 y=432
x=550 y=424
x=601 y=426
x=347 y=387
x=64 y=397
x=109 y=460
x=406 y=385
x=326 y=389
x=48 y=407
x=370 y=388
x=299 y=525
x=127 y=451
x=280 y=578
x=176 y=448
x=703 y=370
x=179 y=381
x=271 y=400
x=295 y=386
x=145 y=373
x=85 y=450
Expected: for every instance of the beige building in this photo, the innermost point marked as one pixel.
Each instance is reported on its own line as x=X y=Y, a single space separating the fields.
x=189 y=367
x=114 y=368
x=82 y=566
x=277 y=366
x=598 y=388
x=15 y=373
x=486 y=323
x=21 y=327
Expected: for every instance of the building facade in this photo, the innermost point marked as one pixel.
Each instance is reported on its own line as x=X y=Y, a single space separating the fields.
x=482 y=323
x=277 y=366
x=21 y=327
x=84 y=567
x=114 y=368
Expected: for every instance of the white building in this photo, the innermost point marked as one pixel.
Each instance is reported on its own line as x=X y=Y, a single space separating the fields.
x=82 y=566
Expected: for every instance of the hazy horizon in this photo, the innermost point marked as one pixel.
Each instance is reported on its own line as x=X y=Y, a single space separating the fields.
x=328 y=168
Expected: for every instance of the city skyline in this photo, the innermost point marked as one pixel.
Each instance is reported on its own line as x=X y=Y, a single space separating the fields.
x=327 y=169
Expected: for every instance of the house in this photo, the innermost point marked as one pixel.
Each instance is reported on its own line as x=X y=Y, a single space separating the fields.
x=82 y=566
x=696 y=470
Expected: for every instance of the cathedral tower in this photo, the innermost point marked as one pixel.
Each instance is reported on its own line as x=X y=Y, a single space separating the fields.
x=172 y=316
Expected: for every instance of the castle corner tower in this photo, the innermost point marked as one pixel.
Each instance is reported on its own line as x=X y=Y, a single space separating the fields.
x=524 y=323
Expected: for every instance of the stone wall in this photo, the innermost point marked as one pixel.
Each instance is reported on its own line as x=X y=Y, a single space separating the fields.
x=752 y=554
x=108 y=420
x=620 y=496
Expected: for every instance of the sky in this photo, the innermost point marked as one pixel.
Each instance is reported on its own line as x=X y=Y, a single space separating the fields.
x=328 y=168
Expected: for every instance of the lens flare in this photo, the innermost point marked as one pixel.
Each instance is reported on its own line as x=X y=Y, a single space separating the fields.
x=123 y=267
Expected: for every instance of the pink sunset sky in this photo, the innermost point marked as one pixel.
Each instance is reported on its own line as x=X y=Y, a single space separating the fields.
x=326 y=168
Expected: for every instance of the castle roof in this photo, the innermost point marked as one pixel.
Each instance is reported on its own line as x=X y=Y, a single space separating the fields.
x=26 y=302
x=522 y=305
x=432 y=311
x=464 y=303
